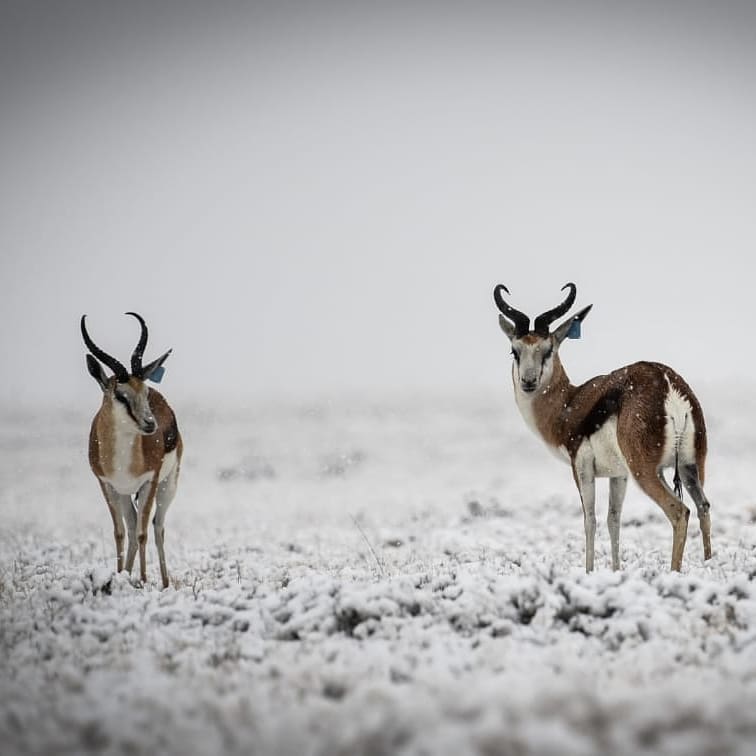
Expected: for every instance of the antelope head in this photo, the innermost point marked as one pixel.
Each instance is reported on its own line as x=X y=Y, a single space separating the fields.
x=535 y=351
x=124 y=392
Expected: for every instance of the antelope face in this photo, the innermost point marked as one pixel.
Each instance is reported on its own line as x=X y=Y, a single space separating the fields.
x=533 y=362
x=130 y=403
x=126 y=392
x=534 y=351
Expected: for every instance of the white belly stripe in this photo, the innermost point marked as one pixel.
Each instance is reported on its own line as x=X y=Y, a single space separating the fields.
x=609 y=462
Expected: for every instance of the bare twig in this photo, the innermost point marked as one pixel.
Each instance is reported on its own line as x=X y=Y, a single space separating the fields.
x=370 y=545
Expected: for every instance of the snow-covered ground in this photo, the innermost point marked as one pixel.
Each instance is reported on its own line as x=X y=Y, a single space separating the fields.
x=372 y=577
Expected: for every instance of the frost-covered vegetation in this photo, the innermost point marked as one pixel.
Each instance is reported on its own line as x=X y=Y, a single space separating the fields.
x=381 y=578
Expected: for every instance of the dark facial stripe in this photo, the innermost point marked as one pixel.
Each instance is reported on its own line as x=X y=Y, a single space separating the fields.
x=125 y=403
x=545 y=356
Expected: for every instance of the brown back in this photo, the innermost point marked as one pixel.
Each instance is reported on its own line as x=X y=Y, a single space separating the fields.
x=635 y=394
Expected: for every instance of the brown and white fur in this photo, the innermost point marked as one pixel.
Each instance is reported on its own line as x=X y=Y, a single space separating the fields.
x=134 y=450
x=634 y=422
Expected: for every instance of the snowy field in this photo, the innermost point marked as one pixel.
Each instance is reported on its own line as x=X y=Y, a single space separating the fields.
x=372 y=577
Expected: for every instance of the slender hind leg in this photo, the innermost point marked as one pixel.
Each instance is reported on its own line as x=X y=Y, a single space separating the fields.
x=145 y=501
x=617 y=488
x=692 y=482
x=165 y=493
x=677 y=513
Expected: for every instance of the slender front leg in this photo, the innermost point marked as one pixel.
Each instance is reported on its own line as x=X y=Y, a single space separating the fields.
x=585 y=477
x=144 y=509
x=617 y=488
x=130 y=515
x=114 y=501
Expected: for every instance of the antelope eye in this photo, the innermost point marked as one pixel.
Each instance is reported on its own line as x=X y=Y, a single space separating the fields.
x=121 y=397
x=516 y=355
x=547 y=352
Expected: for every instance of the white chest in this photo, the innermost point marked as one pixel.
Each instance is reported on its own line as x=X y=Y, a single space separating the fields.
x=601 y=448
x=123 y=479
x=121 y=476
x=126 y=482
x=525 y=405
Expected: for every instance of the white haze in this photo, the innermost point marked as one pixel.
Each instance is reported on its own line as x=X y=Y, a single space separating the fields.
x=311 y=198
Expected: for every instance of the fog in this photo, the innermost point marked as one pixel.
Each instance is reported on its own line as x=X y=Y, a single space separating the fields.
x=319 y=198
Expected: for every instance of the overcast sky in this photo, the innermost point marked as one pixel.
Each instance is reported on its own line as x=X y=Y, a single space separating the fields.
x=312 y=197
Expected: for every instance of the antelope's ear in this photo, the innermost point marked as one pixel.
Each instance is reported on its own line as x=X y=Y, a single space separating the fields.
x=154 y=371
x=563 y=330
x=96 y=371
x=507 y=327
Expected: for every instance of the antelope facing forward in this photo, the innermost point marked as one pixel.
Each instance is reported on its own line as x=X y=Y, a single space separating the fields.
x=637 y=421
x=134 y=449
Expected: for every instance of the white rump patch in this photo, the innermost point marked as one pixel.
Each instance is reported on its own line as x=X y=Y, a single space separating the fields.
x=169 y=462
x=679 y=428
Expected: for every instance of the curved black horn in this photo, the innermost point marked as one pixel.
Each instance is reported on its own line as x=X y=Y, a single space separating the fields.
x=120 y=371
x=520 y=319
x=542 y=322
x=136 y=357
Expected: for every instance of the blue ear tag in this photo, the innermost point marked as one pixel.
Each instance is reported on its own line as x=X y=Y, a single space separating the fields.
x=156 y=375
x=574 y=332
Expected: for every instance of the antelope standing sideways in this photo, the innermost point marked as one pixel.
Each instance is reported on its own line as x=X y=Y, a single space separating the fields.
x=636 y=421
x=134 y=449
